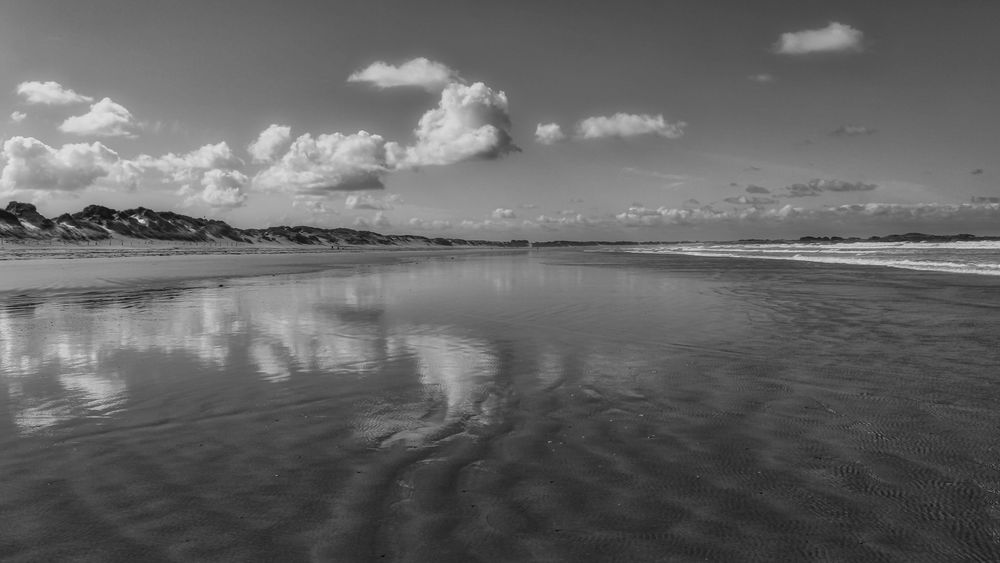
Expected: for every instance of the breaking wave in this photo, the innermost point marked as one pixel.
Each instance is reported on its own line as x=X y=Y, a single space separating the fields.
x=972 y=257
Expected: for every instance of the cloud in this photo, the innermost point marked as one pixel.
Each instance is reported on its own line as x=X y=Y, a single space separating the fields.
x=816 y=186
x=852 y=131
x=33 y=165
x=424 y=225
x=549 y=222
x=976 y=172
x=269 y=143
x=315 y=206
x=549 y=133
x=834 y=38
x=501 y=213
x=18 y=116
x=379 y=220
x=50 y=93
x=220 y=189
x=328 y=163
x=105 y=119
x=673 y=180
x=882 y=213
x=528 y=206
x=752 y=189
x=762 y=78
x=750 y=200
x=188 y=167
x=368 y=201
x=494 y=225
x=624 y=125
x=985 y=199
x=427 y=74
x=656 y=174
x=470 y=122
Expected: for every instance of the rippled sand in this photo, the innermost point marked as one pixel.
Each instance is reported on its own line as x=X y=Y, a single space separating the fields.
x=551 y=406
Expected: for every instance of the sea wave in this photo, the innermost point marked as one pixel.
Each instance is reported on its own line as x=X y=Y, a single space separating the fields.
x=967 y=257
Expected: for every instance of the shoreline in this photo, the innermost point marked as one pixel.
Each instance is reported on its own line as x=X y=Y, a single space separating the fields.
x=40 y=274
x=21 y=250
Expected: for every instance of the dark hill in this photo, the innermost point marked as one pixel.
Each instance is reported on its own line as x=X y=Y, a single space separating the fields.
x=96 y=222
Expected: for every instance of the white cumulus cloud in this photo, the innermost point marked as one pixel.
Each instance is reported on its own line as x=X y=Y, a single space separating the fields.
x=629 y=125
x=833 y=38
x=270 y=142
x=105 y=119
x=470 y=122
x=501 y=213
x=427 y=74
x=50 y=93
x=549 y=133
x=189 y=166
x=328 y=163
x=33 y=165
x=369 y=201
x=18 y=116
x=221 y=189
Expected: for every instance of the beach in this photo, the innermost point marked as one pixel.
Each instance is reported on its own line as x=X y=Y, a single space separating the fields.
x=556 y=405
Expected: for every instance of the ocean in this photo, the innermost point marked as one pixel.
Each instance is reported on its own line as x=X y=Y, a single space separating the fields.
x=555 y=405
x=966 y=257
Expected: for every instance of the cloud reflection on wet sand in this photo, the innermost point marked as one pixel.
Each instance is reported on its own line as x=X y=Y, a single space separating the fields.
x=501 y=408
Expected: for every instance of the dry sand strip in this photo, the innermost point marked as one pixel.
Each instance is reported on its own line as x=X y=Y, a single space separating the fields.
x=53 y=275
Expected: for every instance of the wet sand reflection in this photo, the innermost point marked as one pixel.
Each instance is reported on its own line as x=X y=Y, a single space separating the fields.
x=535 y=407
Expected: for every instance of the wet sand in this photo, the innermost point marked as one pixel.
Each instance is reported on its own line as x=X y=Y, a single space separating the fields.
x=83 y=269
x=544 y=406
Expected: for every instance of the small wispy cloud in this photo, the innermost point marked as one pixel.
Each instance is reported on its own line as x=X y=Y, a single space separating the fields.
x=369 y=201
x=750 y=200
x=816 y=187
x=656 y=174
x=623 y=125
x=50 y=94
x=762 y=78
x=421 y=72
x=549 y=133
x=379 y=220
x=852 y=131
x=834 y=38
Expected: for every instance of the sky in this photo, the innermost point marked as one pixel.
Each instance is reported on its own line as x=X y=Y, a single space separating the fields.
x=577 y=120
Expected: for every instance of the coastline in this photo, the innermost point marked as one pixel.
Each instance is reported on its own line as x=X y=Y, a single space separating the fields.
x=144 y=268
